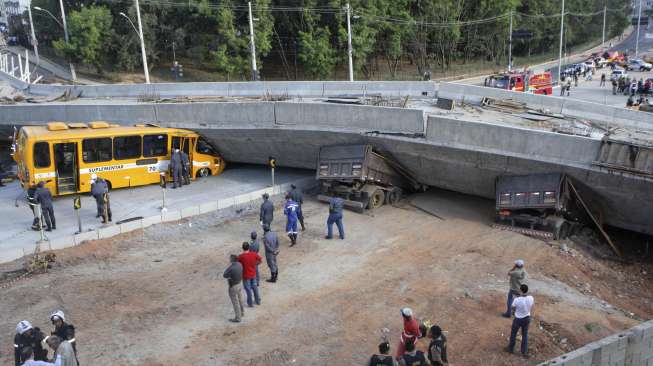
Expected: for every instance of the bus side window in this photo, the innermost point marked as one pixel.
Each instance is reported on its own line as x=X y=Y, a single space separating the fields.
x=155 y=145
x=41 y=155
x=126 y=147
x=96 y=150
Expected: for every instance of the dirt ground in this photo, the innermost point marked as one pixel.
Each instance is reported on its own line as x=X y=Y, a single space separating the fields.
x=157 y=297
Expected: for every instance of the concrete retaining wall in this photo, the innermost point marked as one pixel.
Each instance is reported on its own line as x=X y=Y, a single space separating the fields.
x=633 y=347
x=247 y=89
x=608 y=115
x=225 y=204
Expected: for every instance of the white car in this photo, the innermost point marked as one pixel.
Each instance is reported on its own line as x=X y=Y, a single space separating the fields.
x=618 y=73
x=638 y=64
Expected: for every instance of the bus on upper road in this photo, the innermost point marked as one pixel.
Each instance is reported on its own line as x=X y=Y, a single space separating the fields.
x=65 y=155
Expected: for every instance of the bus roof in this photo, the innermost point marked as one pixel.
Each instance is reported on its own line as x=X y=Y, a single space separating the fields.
x=60 y=130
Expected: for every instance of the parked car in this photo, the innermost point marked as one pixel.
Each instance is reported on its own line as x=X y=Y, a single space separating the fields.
x=601 y=62
x=638 y=64
x=589 y=65
x=618 y=73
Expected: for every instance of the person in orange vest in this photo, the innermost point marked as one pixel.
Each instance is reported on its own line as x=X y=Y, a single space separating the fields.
x=411 y=331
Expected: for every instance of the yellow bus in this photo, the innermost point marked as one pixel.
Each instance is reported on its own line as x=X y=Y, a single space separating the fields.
x=65 y=155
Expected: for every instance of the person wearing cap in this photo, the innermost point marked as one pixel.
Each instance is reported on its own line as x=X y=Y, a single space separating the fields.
x=271 y=244
x=267 y=211
x=382 y=358
x=410 y=333
x=62 y=329
x=437 y=352
x=298 y=196
x=234 y=276
x=518 y=277
x=522 y=307
x=291 y=210
x=177 y=168
x=44 y=198
x=62 y=348
x=100 y=191
x=28 y=336
x=411 y=356
x=255 y=246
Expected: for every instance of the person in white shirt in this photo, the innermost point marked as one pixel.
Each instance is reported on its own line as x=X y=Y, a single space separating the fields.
x=522 y=308
x=28 y=356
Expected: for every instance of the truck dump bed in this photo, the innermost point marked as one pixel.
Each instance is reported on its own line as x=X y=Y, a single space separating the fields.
x=529 y=191
x=357 y=162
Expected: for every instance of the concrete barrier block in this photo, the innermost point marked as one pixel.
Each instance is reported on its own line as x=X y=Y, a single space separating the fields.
x=108 y=231
x=62 y=242
x=208 y=207
x=224 y=203
x=85 y=236
x=131 y=226
x=171 y=215
x=151 y=220
x=190 y=211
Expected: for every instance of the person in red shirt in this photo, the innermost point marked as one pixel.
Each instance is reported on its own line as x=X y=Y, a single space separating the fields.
x=250 y=260
x=411 y=331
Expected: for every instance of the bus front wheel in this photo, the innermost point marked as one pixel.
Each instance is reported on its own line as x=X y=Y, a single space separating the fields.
x=203 y=173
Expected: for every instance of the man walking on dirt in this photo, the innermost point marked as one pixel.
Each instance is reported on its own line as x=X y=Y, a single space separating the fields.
x=336 y=205
x=518 y=276
x=291 y=210
x=249 y=260
x=267 y=211
x=234 y=276
x=298 y=196
x=523 y=307
x=411 y=331
x=271 y=243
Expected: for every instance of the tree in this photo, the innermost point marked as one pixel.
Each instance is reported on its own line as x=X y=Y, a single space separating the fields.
x=89 y=30
x=318 y=56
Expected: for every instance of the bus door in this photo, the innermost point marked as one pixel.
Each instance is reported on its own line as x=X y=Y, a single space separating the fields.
x=185 y=144
x=66 y=167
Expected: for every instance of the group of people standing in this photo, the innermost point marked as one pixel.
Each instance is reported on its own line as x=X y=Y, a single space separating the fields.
x=30 y=344
x=180 y=168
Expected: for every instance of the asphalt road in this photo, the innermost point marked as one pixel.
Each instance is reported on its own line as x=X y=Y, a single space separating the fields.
x=628 y=44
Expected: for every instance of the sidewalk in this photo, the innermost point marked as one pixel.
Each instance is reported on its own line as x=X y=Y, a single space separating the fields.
x=17 y=239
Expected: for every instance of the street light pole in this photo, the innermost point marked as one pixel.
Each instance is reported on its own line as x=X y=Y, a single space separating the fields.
x=73 y=74
x=562 y=29
x=639 y=21
x=251 y=41
x=510 y=44
x=605 y=10
x=349 y=48
x=140 y=36
x=34 y=41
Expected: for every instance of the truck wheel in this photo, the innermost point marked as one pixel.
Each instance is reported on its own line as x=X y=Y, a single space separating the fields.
x=393 y=196
x=376 y=200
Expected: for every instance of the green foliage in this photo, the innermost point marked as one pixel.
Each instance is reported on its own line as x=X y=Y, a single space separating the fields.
x=89 y=30
x=317 y=55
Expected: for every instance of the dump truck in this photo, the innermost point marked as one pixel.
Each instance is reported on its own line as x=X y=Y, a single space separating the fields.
x=364 y=177
x=544 y=205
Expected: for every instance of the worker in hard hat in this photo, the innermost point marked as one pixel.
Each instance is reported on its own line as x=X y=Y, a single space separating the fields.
x=100 y=191
x=291 y=210
x=518 y=277
x=410 y=333
x=28 y=336
x=62 y=329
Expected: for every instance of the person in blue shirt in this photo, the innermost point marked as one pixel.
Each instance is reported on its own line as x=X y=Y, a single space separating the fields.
x=292 y=211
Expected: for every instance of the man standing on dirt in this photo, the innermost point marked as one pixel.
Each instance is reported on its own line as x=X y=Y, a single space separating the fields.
x=412 y=357
x=382 y=358
x=518 y=276
x=267 y=211
x=255 y=246
x=249 y=260
x=271 y=243
x=437 y=352
x=291 y=210
x=298 y=196
x=411 y=331
x=336 y=205
x=62 y=329
x=523 y=307
x=63 y=349
x=234 y=276
x=28 y=336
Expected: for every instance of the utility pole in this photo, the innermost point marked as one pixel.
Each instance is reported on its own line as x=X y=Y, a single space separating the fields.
x=605 y=10
x=639 y=21
x=562 y=30
x=349 y=49
x=34 y=41
x=251 y=41
x=65 y=34
x=140 y=34
x=510 y=44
